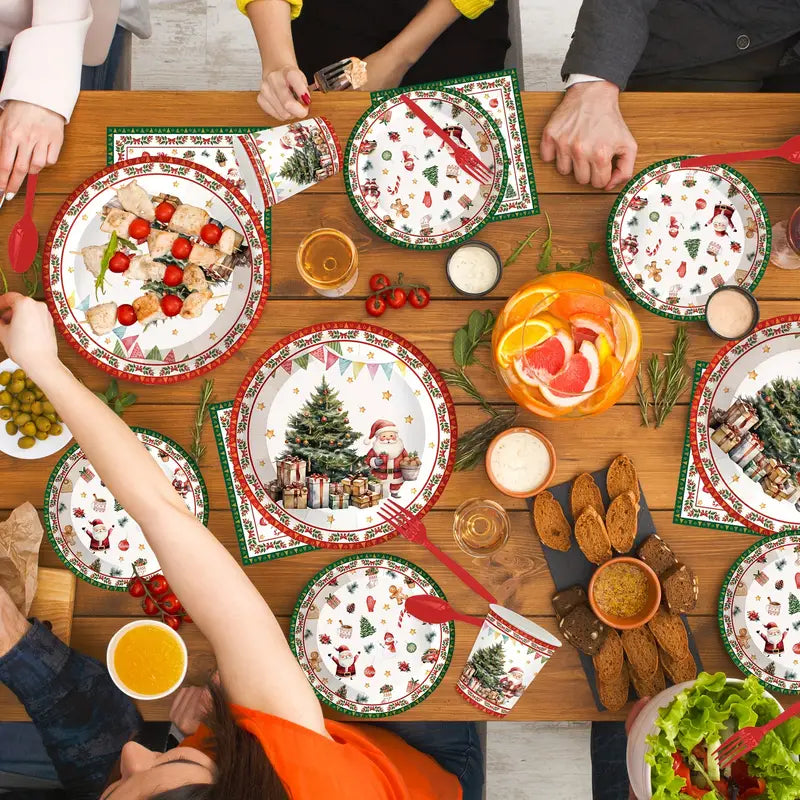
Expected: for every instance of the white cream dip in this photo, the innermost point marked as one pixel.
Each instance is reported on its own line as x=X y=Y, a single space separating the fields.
x=520 y=462
x=473 y=269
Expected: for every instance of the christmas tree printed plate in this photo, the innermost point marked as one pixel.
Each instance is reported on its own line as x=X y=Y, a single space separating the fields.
x=675 y=235
x=403 y=181
x=92 y=533
x=258 y=540
x=156 y=344
x=332 y=421
x=361 y=652
x=759 y=613
x=744 y=429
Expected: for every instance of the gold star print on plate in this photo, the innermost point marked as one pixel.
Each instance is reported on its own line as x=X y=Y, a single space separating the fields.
x=387 y=395
x=296 y=390
x=370 y=354
x=752 y=374
x=270 y=433
x=388 y=673
x=766 y=348
x=417 y=392
x=212 y=336
x=369 y=519
x=331 y=518
x=175 y=184
x=83 y=494
x=174 y=331
x=362 y=410
x=350 y=379
x=409 y=419
x=219 y=308
x=386 y=606
x=208 y=203
x=648 y=231
x=261 y=406
x=735 y=478
x=262 y=463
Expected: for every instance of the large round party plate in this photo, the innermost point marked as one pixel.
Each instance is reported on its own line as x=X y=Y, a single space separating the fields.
x=759 y=612
x=321 y=425
x=676 y=234
x=744 y=434
x=403 y=181
x=92 y=533
x=360 y=650
x=173 y=348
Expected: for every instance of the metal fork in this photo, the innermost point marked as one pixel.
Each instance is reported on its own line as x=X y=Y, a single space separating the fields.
x=463 y=156
x=746 y=739
x=332 y=78
x=409 y=526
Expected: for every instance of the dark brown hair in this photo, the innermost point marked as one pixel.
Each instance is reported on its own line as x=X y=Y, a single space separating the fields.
x=243 y=770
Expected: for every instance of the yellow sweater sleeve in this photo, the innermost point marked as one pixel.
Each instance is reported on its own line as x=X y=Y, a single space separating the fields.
x=471 y=8
x=297 y=5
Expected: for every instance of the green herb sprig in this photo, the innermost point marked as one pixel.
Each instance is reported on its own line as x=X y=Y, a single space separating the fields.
x=546 y=254
x=33 y=277
x=526 y=242
x=198 y=449
x=667 y=381
x=111 y=248
x=473 y=444
x=114 y=400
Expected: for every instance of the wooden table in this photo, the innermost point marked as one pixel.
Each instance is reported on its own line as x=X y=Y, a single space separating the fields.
x=664 y=125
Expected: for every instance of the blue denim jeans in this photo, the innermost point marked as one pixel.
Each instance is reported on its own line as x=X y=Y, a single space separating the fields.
x=609 y=768
x=455 y=746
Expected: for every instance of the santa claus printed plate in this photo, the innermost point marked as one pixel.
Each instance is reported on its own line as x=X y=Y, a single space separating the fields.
x=744 y=430
x=360 y=650
x=92 y=533
x=675 y=235
x=156 y=296
x=333 y=420
x=759 y=613
x=405 y=184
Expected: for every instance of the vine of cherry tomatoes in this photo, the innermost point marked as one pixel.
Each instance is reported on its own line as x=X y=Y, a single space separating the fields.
x=158 y=599
x=386 y=294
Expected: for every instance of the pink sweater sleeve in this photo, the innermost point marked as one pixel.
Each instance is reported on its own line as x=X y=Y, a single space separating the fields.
x=44 y=61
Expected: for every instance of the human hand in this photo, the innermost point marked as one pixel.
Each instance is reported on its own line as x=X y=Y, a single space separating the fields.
x=30 y=138
x=634 y=712
x=27 y=334
x=189 y=708
x=13 y=625
x=587 y=132
x=275 y=96
x=386 y=69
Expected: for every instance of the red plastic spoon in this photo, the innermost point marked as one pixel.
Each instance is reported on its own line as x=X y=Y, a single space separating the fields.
x=23 y=241
x=435 y=610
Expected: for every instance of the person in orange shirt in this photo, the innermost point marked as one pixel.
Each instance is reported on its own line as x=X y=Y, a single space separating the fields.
x=265 y=737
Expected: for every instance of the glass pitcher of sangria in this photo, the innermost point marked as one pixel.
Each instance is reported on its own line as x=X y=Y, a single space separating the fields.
x=566 y=345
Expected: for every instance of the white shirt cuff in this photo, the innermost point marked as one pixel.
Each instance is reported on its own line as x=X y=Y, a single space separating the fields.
x=580 y=78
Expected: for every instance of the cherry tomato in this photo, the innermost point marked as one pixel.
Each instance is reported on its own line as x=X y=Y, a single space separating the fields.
x=135 y=588
x=139 y=229
x=181 y=248
x=376 y=305
x=171 y=305
x=164 y=212
x=170 y=604
x=395 y=298
x=173 y=275
x=119 y=262
x=419 y=298
x=210 y=233
x=173 y=621
x=187 y=619
x=150 y=607
x=379 y=281
x=158 y=585
x=126 y=314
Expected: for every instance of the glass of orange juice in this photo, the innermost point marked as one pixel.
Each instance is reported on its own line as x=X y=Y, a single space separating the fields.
x=566 y=345
x=147 y=660
x=327 y=260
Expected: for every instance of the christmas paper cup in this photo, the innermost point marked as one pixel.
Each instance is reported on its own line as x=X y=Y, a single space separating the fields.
x=508 y=654
x=280 y=162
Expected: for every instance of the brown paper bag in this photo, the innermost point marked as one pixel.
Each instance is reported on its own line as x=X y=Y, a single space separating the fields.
x=20 y=539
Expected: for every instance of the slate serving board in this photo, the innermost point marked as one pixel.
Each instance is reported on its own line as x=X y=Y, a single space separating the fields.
x=572 y=567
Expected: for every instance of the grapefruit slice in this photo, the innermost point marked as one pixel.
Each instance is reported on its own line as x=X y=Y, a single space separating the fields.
x=579 y=375
x=522 y=336
x=539 y=364
x=590 y=326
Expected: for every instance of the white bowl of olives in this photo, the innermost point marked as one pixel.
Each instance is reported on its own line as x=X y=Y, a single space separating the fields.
x=29 y=425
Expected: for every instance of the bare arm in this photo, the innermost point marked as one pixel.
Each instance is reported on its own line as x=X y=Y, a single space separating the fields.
x=234 y=617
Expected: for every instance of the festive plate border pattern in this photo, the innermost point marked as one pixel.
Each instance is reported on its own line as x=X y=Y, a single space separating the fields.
x=730 y=615
x=257 y=542
x=515 y=134
x=700 y=409
x=116 y=363
x=338 y=332
x=613 y=234
x=68 y=462
x=405 y=240
x=343 y=565
x=694 y=505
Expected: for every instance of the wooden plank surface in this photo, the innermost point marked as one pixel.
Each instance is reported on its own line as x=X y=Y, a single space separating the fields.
x=517 y=575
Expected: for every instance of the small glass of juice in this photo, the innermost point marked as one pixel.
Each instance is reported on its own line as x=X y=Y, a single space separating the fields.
x=480 y=527
x=327 y=260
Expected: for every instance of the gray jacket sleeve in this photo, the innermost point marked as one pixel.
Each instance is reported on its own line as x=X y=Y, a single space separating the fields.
x=609 y=39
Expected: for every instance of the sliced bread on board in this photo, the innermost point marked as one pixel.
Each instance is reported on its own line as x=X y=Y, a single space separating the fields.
x=550 y=522
x=678 y=670
x=592 y=536
x=657 y=554
x=584 y=493
x=614 y=692
x=670 y=633
x=609 y=660
x=622 y=521
x=567 y=599
x=680 y=589
x=583 y=630
x=649 y=687
x=622 y=477
x=641 y=651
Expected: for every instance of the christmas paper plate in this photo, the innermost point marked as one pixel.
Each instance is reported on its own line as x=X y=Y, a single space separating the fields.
x=92 y=533
x=360 y=650
x=333 y=420
x=745 y=427
x=675 y=235
x=759 y=613
x=404 y=183
x=143 y=324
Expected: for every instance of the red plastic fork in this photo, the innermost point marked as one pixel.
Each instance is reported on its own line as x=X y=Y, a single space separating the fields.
x=411 y=528
x=463 y=156
x=742 y=742
x=789 y=150
x=23 y=241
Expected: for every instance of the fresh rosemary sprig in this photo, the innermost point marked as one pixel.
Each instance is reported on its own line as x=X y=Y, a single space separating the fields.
x=667 y=381
x=473 y=444
x=644 y=401
x=198 y=449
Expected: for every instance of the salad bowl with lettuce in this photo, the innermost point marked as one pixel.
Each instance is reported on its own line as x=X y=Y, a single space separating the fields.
x=671 y=740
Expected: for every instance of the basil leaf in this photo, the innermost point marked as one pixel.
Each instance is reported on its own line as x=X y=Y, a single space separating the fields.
x=462 y=351
x=475 y=326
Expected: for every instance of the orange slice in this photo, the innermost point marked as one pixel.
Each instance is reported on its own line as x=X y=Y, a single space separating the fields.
x=520 y=306
x=522 y=336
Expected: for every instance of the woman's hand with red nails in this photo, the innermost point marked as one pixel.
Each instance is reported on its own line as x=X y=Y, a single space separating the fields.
x=284 y=93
